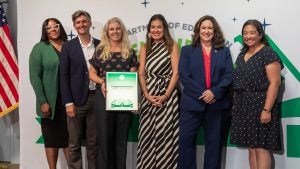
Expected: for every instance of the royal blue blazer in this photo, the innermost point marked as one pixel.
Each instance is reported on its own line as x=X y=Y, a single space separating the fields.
x=74 y=73
x=192 y=77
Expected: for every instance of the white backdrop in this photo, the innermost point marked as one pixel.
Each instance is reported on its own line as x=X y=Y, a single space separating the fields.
x=282 y=15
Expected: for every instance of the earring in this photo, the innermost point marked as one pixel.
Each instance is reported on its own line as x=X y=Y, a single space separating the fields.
x=149 y=35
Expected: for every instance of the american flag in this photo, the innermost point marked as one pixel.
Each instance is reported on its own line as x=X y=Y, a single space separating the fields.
x=9 y=71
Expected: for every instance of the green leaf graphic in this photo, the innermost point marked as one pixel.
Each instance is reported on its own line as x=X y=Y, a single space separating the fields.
x=40 y=139
x=293 y=139
x=289 y=108
x=288 y=64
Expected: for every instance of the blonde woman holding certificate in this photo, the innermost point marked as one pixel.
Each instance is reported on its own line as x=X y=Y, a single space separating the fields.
x=112 y=55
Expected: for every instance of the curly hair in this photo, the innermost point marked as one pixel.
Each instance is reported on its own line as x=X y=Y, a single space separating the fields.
x=218 y=40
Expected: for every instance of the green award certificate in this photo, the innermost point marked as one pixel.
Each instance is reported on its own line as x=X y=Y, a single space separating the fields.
x=122 y=91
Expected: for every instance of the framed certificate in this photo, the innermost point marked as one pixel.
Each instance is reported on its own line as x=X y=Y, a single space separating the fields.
x=122 y=91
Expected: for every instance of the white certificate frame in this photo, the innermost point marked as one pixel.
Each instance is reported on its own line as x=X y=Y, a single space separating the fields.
x=122 y=91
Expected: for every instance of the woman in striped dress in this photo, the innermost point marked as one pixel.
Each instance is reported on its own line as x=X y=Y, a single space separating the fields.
x=158 y=75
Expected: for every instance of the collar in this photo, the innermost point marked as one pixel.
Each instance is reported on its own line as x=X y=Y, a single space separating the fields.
x=89 y=44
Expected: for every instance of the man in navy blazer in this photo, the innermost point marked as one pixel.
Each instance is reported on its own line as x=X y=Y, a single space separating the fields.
x=78 y=91
x=205 y=71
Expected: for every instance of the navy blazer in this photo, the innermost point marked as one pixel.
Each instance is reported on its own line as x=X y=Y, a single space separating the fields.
x=192 y=77
x=74 y=73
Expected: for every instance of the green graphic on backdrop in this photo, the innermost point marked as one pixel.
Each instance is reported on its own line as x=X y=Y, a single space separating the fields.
x=289 y=108
x=293 y=140
x=41 y=139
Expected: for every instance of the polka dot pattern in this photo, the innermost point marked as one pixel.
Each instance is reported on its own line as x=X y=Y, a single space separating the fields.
x=250 y=84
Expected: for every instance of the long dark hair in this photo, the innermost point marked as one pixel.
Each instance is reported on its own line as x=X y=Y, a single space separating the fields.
x=259 y=29
x=62 y=36
x=167 y=36
x=218 y=40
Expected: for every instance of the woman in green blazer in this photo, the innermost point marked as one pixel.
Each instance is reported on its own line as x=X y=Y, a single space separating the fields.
x=44 y=72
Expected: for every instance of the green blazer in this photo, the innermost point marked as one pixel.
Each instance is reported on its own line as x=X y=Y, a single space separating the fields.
x=44 y=71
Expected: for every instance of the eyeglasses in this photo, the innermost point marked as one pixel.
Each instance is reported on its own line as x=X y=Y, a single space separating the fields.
x=56 y=27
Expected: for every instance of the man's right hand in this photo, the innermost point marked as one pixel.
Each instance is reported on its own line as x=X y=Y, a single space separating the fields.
x=71 y=110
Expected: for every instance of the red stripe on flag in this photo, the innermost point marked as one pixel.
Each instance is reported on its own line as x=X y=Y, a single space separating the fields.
x=9 y=71
x=6 y=30
x=9 y=58
x=4 y=97
x=9 y=82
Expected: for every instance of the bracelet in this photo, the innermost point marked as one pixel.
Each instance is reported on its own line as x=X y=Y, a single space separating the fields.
x=267 y=110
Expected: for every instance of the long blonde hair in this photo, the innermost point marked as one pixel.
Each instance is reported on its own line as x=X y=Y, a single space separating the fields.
x=105 y=47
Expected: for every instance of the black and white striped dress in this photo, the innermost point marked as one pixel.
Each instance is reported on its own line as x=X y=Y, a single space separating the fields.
x=158 y=130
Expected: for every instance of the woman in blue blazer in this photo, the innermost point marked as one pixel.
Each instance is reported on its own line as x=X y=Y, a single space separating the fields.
x=205 y=71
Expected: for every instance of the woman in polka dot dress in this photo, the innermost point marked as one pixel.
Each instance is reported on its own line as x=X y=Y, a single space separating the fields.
x=256 y=79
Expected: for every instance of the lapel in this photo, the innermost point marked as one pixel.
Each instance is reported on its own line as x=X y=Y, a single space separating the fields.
x=51 y=51
x=214 y=57
x=199 y=57
x=49 y=54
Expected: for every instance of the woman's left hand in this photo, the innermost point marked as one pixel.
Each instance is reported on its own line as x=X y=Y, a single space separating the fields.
x=265 y=117
x=207 y=96
x=161 y=100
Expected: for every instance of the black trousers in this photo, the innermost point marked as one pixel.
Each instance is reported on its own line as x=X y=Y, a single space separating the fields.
x=112 y=129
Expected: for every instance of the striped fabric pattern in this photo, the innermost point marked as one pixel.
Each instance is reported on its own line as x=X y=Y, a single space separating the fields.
x=9 y=72
x=158 y=130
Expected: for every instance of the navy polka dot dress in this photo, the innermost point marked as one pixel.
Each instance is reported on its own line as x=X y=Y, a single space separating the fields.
x=250 y=84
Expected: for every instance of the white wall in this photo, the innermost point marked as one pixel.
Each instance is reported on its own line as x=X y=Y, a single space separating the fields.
x=284 y=28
